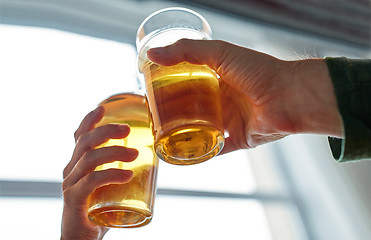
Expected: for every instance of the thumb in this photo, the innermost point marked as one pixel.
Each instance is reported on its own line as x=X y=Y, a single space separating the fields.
x=208 y=52
x=229 y=61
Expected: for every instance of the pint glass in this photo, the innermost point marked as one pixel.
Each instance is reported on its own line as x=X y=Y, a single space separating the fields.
x=183 y=99
x=130 y=204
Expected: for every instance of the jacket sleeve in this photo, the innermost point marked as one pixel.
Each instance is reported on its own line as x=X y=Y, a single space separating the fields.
x=352 y=83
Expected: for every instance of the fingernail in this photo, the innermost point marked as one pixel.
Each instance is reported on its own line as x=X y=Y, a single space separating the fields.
x=124 y=127
x=153 y=52
x=129 y=174
x=132 y=152
x=97 y=110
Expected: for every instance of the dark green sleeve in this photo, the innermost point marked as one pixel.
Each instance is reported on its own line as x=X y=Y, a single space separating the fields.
x=352 y=82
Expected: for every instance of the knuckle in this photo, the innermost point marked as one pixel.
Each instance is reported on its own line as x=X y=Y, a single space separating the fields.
x=88 y=155
x=92 y=178
x=82 y=137
x=68 y=196
x=66 y=171
x=64 y=187
x=181 y=44
x=76 y=135
x=85 y=159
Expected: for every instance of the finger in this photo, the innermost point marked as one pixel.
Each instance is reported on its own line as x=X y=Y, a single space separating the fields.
x=89 y=121
x=94 y=138
x=100 y=135
x=209 y=52
x=78 y=193
x=96 y=157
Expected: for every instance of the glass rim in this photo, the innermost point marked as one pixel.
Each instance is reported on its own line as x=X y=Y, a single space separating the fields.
x=117 y=95
x=142 y=37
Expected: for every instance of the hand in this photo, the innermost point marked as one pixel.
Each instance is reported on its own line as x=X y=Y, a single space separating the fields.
x=80 y=179
x=263 y=98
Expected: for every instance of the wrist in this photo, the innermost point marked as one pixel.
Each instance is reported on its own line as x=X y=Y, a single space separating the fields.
x=311 y=102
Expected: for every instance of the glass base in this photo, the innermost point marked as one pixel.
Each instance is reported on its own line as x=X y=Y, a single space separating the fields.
x=120 y=217
x=190 y=145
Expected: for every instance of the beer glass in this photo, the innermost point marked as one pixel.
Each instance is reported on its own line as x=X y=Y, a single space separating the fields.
x=183 y=99
x=130 y=204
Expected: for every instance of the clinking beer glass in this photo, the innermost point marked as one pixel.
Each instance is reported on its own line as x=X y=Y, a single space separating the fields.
x=183 y=99
x=130 y=204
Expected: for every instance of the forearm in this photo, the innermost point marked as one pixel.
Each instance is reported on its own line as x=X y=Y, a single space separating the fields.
x=311 y=102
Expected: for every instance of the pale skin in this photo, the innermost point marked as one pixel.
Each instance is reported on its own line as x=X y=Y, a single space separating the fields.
x=263 y=99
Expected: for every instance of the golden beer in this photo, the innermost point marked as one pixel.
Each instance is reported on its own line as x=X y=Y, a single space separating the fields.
x=184 y=103
x=129 y=204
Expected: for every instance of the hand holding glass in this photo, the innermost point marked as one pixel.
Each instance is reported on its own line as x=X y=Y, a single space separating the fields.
x=183 y=99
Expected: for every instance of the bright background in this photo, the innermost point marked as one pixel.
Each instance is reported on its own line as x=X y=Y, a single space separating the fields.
x=59 y=59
